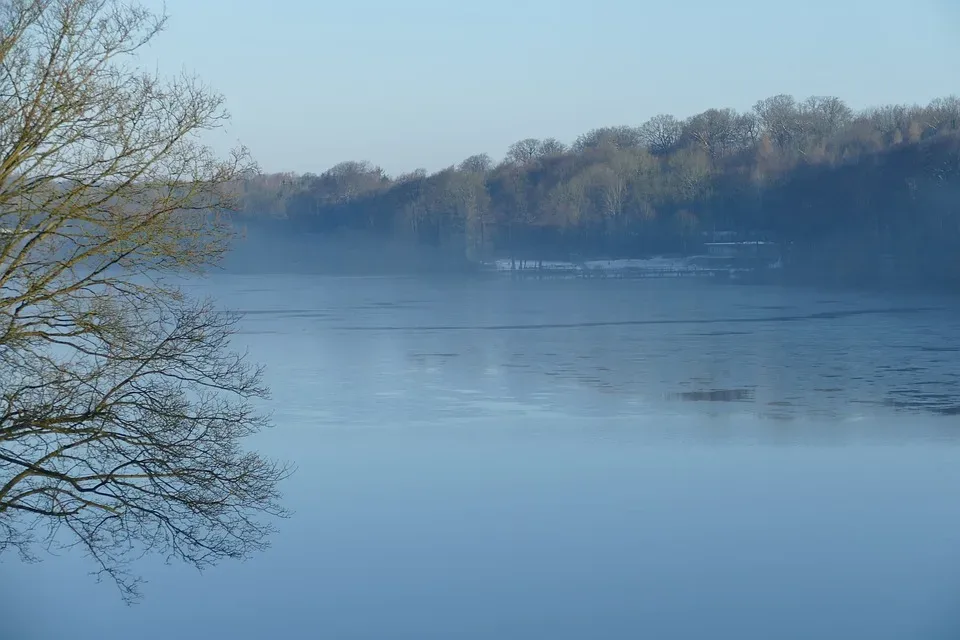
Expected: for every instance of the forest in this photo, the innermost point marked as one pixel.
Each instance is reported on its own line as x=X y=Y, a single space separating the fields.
x=851 y=196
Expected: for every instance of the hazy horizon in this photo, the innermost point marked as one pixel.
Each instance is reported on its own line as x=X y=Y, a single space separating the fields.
x=426 y=84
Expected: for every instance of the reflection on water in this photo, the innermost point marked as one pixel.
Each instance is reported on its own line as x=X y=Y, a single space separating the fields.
x=722 y=395
x=441 y=351
x=577 y=459
x=609 y=348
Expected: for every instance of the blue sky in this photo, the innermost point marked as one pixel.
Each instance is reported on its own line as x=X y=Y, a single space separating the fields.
x=425 y=83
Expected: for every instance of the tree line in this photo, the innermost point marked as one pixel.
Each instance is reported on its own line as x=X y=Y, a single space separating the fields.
x=850 y=193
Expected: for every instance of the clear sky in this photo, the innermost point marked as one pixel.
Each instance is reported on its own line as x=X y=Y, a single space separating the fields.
x=425 y=83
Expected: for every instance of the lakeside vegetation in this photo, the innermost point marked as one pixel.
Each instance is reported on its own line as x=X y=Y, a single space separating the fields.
x=851 y=196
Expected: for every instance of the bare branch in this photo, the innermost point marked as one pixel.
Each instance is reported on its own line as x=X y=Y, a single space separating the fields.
x=122 y=405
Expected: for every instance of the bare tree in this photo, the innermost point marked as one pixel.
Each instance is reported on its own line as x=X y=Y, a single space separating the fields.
x=122 y=405
x=479 y=163
x=621 y=137
x=716 y=131
x=524 y=151
x=689 y=173
x=890 y=118
x=780 y=119
x=412 y=176
x=827 y=114
x=721 y=132
x=661 y=133
x=625 y=174
x=347 y=180
x=569 y=201
x=943 y=114
x=463 y=195
x=747 y=131
x=551 y=147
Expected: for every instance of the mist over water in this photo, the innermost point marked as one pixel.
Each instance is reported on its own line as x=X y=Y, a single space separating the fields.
x=485 y=457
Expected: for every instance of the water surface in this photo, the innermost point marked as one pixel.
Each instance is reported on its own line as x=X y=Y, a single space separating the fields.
x=576 y=459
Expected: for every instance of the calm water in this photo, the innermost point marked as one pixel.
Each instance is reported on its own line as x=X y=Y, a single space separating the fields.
x=576 y=459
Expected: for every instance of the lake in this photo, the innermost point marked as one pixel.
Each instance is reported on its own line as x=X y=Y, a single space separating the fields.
x=497 y=458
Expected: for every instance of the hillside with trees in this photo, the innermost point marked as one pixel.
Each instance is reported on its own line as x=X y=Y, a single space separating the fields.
x=852 y=196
